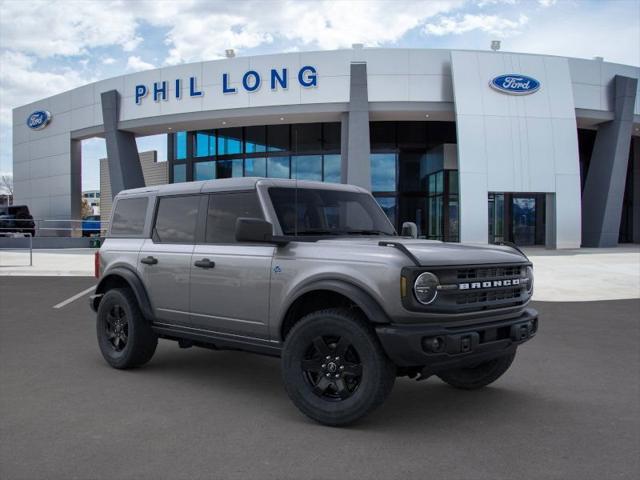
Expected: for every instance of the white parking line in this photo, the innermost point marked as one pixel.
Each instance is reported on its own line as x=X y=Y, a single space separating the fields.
x=75 y=297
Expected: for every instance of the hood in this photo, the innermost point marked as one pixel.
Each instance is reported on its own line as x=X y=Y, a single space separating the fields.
x=435 y=253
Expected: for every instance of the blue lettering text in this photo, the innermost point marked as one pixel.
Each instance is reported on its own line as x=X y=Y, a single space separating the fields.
x=192 y=88
x=225 y=84
x=275 y=77
x=141 y=91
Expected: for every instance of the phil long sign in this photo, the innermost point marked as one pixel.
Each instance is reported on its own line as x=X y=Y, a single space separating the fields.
x=251 y=81
x=515 y=84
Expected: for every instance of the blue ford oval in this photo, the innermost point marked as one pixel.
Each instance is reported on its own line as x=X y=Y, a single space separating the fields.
x=515 y=84
x=38 y=119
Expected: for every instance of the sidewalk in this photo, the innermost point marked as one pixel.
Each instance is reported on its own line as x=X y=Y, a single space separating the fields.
x=586 y=274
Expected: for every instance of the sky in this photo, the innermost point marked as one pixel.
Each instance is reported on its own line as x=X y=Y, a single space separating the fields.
x=47 y=47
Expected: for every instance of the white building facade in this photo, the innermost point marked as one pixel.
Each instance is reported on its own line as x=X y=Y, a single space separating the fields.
x=473 y=146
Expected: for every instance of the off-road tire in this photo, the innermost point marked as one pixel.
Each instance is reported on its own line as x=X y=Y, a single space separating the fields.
x=350 y=397
x=141 y=342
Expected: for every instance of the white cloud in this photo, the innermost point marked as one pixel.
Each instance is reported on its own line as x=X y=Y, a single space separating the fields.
x=203 y=30
x=108 y=61
x=135 y=64
x=584 y=34
x=491 y=24
x=547 y=3
x=22 y=83
x=47 y=29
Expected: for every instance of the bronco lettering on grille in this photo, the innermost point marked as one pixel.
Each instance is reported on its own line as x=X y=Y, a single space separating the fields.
x=490 y=284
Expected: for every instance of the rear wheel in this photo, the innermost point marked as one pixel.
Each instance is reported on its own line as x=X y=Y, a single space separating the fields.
x=124 y=336
x=334 y=368
x=478 y=376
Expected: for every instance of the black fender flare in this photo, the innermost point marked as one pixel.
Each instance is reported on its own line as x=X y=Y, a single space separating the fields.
x=134 y=282
x=369 y=306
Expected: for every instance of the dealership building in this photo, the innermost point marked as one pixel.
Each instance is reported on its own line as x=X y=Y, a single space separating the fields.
x=472 y=146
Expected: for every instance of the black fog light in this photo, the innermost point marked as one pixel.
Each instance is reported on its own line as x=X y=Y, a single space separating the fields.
x=433 y=344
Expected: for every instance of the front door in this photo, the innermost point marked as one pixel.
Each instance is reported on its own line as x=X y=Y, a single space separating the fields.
x=523 y=217
x=229 y=280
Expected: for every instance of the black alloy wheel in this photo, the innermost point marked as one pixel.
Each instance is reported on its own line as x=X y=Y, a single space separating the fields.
x=125 y=337
x=332 y=367
x=117 y=327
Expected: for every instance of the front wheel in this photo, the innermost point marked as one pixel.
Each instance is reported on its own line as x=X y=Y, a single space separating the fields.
x=333 y=367
x=478 y=376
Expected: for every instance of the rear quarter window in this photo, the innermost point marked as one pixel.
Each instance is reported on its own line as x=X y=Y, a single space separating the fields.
x=128 y=217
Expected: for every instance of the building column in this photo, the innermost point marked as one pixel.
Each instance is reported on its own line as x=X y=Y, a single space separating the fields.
x=125 y=170
x=356 y=165
x=604 y=187
x=635 y=171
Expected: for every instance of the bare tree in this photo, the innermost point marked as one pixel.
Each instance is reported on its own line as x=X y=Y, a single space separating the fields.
x=6 y=184
x=86 y=209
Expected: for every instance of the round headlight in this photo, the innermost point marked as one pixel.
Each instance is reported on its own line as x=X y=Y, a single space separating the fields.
x=426 y=288
x=530 y=280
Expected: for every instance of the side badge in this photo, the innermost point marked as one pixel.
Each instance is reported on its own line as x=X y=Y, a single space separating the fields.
x=277 y=269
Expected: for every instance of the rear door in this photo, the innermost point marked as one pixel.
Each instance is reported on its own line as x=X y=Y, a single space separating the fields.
x=230 y=280
x=165 y=258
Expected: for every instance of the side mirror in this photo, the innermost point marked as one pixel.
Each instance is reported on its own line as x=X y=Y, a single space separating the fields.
x=409 y=229
x=256 y=230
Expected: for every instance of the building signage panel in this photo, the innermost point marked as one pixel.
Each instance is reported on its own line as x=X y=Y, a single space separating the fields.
x=251 y=81
x=515 y=84
x=38 y=119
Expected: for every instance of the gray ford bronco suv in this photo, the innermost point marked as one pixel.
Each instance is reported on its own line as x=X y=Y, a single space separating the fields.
x=313 y=273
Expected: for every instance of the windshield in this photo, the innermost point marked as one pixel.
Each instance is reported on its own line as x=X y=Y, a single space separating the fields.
x=306 y=211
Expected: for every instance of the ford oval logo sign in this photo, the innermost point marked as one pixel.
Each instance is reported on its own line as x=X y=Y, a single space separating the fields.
x=515 y=84
x=38 y=120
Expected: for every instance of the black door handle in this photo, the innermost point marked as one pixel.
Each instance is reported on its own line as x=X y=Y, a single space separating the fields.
x=204 y=263
x=149 y=260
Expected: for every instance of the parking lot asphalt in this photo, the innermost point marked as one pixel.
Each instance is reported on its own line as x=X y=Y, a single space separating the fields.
x=568 y=408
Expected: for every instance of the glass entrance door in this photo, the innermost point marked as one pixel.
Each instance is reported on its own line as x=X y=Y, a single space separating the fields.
x=523 y=218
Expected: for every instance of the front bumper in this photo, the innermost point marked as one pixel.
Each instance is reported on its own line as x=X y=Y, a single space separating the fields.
x=441 y=347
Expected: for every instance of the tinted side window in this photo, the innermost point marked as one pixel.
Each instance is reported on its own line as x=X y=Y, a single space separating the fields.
x=128 y=217
x=224 y=210
x=176 y=219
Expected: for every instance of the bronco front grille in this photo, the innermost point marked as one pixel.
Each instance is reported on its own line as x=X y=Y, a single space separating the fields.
x=488 y=297
x=489 y=273
x=471 y=288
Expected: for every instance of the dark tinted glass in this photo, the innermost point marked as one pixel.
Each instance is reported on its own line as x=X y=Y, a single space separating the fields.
x=179 y=173
x=224 y=210
x=383 y=135
x=278 y=138
x=255 y=139
x=332 y=166
x=306 y=137
x=176 y=219
x=383 y=172
x=204 y=170
x=331 y=136
x=180 y=148
x=413 y=171
x=229 y=168
x=278 y=167
x=128 y=217
x=305 y=211
x=255 y=167
x=230 y=141
x=412 y=134
x=306 y=167
x=205 y=144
